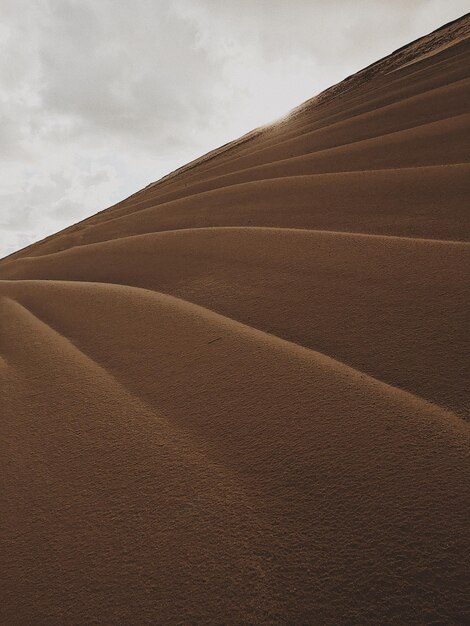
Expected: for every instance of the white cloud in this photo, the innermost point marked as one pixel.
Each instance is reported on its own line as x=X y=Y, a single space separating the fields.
x=100 y=97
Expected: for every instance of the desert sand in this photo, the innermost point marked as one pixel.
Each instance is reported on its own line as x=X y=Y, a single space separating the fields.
x=239 y=396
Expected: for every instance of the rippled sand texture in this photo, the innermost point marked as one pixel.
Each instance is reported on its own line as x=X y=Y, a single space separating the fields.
x=238 y=396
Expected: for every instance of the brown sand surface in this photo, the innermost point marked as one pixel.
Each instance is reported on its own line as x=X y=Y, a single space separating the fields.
x=239 y=396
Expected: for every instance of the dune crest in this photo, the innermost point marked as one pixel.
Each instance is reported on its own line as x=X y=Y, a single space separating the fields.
x=239 y=395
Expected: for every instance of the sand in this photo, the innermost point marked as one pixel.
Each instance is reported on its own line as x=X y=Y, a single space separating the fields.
x=239 y=396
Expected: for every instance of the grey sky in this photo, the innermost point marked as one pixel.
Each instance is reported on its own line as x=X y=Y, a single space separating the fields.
x=100 y=97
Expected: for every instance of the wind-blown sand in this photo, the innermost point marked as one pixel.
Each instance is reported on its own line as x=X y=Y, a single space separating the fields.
x=238 y=396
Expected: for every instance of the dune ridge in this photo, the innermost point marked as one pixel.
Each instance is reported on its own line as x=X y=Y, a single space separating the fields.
x=239 y=395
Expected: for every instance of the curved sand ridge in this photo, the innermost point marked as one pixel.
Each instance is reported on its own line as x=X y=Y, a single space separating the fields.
x=237 y=396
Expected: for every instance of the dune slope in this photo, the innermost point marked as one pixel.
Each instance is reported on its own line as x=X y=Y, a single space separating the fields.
x=239 y=396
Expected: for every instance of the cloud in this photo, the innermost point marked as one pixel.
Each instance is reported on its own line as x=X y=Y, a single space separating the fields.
x=99 y=98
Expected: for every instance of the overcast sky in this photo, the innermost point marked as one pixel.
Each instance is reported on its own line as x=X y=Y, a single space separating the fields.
x=98 y=98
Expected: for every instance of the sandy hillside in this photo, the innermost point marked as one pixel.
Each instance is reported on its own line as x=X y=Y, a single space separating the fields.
x=239 y=396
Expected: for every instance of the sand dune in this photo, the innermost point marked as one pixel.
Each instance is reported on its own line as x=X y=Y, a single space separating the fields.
x=239 y=396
